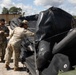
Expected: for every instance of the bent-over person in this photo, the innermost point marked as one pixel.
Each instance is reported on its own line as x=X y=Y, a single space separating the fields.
x=14 y=44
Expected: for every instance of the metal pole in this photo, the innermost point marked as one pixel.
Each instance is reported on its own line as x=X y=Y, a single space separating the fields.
x=37 y=72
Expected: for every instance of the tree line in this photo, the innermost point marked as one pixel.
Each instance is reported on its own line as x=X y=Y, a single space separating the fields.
x=12 y=10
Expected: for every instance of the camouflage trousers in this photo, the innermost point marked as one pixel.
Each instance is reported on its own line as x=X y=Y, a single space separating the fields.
x=2 y=49
x=11 y=49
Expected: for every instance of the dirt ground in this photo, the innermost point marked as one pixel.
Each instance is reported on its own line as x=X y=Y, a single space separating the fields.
x=4 y=71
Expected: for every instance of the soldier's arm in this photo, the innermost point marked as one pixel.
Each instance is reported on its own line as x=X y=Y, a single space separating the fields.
x=1 y=32
x=6 y=32
x=11 y=34
x=29 y=33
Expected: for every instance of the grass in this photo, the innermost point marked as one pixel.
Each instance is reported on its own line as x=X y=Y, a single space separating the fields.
x=72 y=72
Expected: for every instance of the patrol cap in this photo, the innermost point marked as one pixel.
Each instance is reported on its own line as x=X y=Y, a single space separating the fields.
x=25 y=22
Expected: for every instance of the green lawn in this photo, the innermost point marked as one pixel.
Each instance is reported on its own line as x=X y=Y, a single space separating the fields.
x=73 y=72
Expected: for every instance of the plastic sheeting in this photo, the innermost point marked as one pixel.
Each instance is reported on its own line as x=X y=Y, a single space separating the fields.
x=51 y=22
x=31 y=21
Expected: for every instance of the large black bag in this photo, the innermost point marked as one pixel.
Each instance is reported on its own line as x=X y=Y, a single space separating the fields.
x=14 y=23
x=51 y=22
x=26 y=49
x=59 y=62
x=44 y=54
x=67 y=46
x=31 y=21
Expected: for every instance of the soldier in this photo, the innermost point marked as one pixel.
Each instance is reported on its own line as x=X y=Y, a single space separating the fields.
x=4 y=32
x=14 y=44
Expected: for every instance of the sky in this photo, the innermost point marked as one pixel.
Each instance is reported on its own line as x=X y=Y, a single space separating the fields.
x=31 y=7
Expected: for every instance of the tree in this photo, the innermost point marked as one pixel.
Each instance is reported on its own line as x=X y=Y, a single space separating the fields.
x=5 y=11
x=12 y=10
x=15 y=10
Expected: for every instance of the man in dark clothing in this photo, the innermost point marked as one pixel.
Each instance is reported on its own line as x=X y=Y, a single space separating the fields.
x=4 y=32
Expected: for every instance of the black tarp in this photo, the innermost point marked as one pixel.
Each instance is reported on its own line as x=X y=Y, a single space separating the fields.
x=51 y=22
x=52 y=25
x=31 y=21
x=14 y=23
x=67 y=46
x=29 y=18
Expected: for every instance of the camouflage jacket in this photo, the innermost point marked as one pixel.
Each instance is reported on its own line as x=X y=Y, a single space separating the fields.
x=3 y=35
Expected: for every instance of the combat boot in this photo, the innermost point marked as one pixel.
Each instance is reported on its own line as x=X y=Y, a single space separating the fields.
x=16 y=68
x=7 y=66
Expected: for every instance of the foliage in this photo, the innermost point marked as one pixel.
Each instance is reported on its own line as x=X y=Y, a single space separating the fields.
x=74 y=16
x=5 y=11
x=12 y=10
x=15 y=10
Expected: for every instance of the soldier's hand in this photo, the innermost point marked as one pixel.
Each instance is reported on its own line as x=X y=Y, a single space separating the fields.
x=1 y=31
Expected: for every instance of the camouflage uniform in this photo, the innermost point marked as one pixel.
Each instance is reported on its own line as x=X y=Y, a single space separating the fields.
x=14 y=44
x=3 y=40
